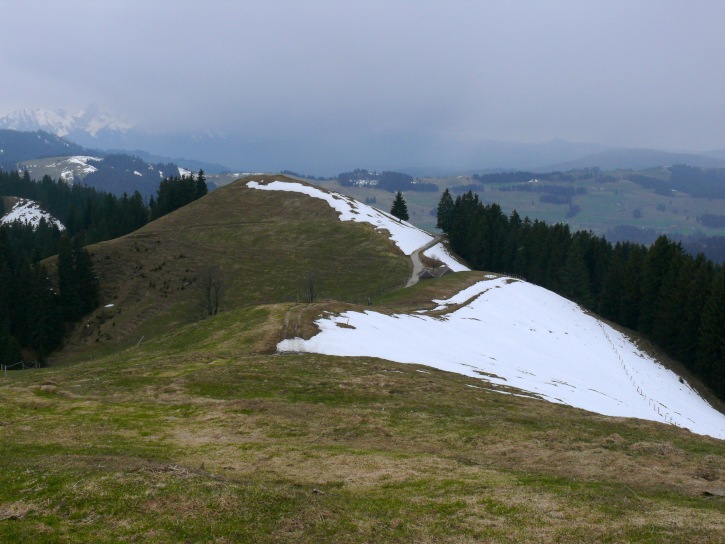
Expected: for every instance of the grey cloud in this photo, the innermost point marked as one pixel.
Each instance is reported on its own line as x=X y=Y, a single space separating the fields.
x=361 y=76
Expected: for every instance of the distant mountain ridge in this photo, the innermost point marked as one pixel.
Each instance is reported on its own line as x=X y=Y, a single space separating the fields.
x=423 y=156
x=62 y=123
x=636 y=159
x=18 y=146
x=42 y=153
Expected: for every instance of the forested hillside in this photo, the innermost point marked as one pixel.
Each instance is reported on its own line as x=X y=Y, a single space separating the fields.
x=16 y=146
x=675 y=299
x=34 y=314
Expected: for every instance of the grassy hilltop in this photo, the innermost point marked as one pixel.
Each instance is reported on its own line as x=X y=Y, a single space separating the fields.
x=266 y=246
x=201 y=434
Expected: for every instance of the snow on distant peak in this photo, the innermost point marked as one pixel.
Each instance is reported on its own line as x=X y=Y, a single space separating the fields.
x=82 y=162
x=30 y=213
x=183 y=172
x=62 y=123
x=76 y=166
x=515 y=334
x=406 y=236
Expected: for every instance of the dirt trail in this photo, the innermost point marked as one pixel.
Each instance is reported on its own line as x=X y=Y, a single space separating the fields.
x=292 y=323
x=417 y=264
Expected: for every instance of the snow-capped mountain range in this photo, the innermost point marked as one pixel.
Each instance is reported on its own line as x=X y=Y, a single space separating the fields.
x=90 y=121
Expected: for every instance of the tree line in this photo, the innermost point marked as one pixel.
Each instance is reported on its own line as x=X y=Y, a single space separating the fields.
x=698 y=182
x=34 y=313
x=673 y=298
x=90 y=214
x=525 y=176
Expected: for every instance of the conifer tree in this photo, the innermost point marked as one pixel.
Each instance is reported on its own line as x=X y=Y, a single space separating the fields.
x=400 y=208
x=87 y=282
x=610 y=297
x=710 y=363
x=656 y=265
x=67 y=283
x=632 y=288
x=9 y=347
x=445 y=211
x=575 y=285
x=693 y=288
x=46 y=327
x=76 y=279
x=201 y=187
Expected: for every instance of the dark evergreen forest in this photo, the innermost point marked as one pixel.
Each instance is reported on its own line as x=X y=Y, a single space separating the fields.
x=675 y=299
x=34 y=315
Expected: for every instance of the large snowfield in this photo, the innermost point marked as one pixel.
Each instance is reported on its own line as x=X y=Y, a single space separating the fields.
x=406 y=236
x=516 y=334
x=506 y=332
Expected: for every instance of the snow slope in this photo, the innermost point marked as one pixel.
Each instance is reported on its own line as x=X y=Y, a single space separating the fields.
x=517 y=334
x=30 y=212
x=76 y=165
x=440 y=253
x=406 y=236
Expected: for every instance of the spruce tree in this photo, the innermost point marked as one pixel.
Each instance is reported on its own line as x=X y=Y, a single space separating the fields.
x=46 y=330
x=76 y=279
x=87 y=282
x=400 y=208
x=69 y=299
x=660 y=258
x=610 y=297
x=201 y=187
x=631 y=299
x=710 y=364
x=693 y=292
x=575 y=275
x=445 y=211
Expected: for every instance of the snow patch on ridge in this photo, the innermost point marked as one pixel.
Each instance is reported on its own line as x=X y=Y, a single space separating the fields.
x=76 y=165
x=406 y=236
x=30 y=213
x=520 y=335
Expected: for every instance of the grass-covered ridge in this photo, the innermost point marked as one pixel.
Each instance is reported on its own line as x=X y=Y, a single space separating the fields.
x=199 y=435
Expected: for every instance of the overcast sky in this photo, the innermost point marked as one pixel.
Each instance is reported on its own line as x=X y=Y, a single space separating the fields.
x=619 y=73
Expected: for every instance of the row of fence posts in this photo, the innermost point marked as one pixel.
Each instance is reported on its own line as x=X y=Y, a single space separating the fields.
x=667 y=418
x=22 y=364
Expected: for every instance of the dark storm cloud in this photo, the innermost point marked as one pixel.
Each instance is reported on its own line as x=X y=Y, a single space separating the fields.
x=345 y=73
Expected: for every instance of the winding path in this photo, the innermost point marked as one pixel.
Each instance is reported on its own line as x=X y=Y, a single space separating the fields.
x=417 y=264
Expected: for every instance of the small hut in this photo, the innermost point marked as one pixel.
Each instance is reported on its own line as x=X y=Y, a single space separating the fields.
x=437 y=272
